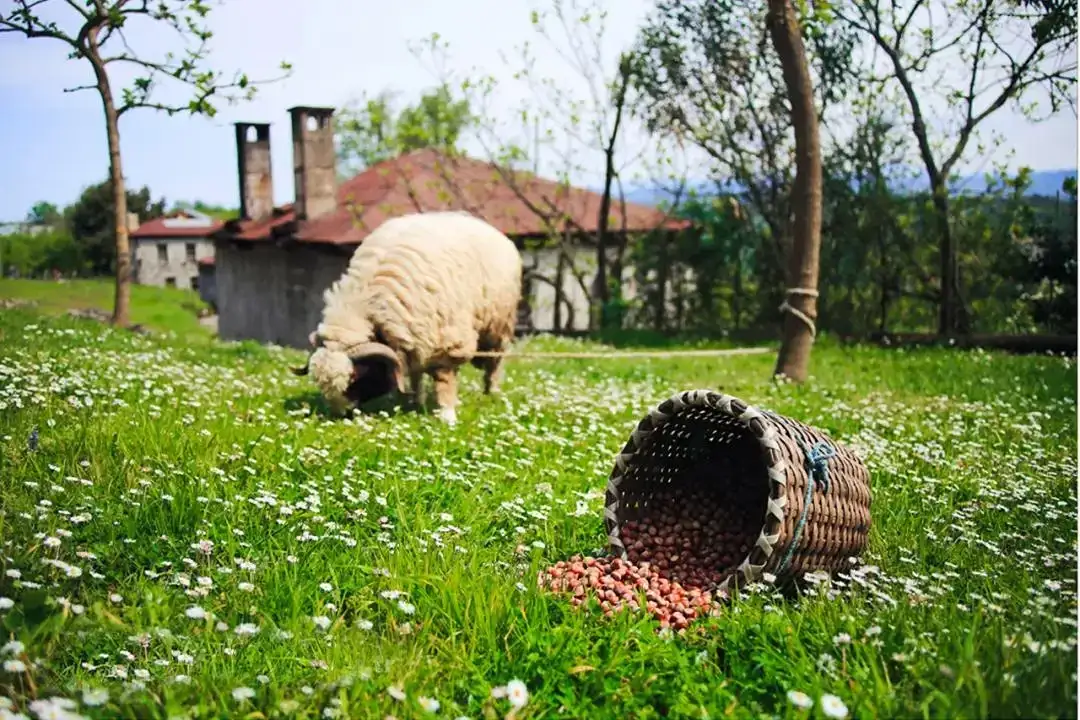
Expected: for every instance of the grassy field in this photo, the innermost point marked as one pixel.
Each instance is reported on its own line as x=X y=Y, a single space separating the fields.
x=186 y=534
x=157 y=308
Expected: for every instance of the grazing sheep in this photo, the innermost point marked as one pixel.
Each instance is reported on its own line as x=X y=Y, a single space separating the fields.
x=422 y=294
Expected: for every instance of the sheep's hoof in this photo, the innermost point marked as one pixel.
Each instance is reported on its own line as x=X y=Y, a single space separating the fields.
x=448 y=415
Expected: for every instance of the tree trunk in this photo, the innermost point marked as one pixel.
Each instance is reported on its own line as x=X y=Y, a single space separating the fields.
x=736 y=293
x=560 y=274
x=662 y=272
x=951 y=314
x=602 y=225
x=122 y=295
x=798 y=335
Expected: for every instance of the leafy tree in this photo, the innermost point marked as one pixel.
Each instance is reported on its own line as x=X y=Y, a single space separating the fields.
x=95 y=31
x=373 y=131
x=37 y=253
x=710 y=77
x=44 y=213
x=571 y=133
x=998 y=52
x=90 y=221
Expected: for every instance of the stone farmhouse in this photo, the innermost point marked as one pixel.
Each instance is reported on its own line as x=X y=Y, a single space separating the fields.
x=167 y=251
x=272 y=265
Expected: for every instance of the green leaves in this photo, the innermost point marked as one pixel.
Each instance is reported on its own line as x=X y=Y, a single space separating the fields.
x=98 y=41
x=375 y=131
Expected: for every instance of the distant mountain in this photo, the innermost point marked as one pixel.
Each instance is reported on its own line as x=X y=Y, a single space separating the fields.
x=1043 y=182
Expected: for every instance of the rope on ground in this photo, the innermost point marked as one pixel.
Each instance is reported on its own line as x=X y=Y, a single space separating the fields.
x=627 y=354
x=785 y=307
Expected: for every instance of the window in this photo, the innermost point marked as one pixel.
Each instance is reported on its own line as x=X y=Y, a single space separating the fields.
x=162 y=253
x=189 y=249
x=195 y=283
x=170 y=282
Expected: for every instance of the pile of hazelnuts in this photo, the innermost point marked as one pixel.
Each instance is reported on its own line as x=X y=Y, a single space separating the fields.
x=680 y=546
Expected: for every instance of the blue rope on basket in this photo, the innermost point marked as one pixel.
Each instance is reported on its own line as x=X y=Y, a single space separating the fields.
x=817 y=466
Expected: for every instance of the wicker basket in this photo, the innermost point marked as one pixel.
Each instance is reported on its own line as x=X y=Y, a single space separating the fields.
x=804 y=502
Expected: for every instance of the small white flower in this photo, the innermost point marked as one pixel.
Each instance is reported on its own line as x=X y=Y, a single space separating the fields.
x=142 y=674
x=263 y=679
x=14 y=666
x=12 y=648
x=195 y=612
x=246 y=629
x=13 y=574
x=321 y=621
x=243 y=693
x=517 y=693
x=365 y=624
x=6 y=603
x=842 y=639
x=833 y=707
x=93 y=698
x=114 y=598
x=51 y=542
x=407 y=608
x=396 y=692
x=431 y=705
x=288 y=706
x=246 y=587
x=326 y=587
x=800 y=699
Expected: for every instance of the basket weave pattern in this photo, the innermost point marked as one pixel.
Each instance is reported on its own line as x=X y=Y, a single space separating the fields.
x=761 y=467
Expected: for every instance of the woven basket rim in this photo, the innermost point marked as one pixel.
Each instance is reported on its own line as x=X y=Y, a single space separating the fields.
x=775 y=465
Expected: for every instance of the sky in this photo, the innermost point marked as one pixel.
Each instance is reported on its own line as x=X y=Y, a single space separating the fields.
x=54 y=142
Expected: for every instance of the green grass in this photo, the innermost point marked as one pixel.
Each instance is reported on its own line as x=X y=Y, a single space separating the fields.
x=148 y=446
x=157 y=308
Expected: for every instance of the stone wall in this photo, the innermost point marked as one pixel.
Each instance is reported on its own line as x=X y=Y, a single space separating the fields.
x=159 y=259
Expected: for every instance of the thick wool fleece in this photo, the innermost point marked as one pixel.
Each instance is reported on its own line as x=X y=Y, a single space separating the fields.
x=435 y=287
x=332 y=372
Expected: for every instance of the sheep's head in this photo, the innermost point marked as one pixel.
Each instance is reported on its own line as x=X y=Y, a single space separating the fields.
x=350 y=379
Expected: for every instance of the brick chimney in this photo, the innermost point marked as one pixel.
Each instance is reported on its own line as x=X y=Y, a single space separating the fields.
x=253 y=162
x=314 y=161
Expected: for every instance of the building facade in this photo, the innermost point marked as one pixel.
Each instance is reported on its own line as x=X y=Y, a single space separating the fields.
x=167 y=250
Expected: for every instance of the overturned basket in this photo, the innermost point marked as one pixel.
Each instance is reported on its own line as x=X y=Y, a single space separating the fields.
x=795 y=501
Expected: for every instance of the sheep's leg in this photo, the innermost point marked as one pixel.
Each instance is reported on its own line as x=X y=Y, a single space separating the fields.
x=493 y=374
x=445 y=382
x=416 y=384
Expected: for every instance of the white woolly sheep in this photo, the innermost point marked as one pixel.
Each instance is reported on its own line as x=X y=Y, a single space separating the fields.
x=422 y=294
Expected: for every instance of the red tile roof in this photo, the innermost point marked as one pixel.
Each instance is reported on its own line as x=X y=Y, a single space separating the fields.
x=178 y=225
x=517 y=203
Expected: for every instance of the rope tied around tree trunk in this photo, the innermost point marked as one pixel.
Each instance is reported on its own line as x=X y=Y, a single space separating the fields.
x=806 y=319
x=817 y=466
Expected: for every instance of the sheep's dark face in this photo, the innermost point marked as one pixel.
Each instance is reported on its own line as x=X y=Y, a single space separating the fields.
x=372 y=377
x=348 y=380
